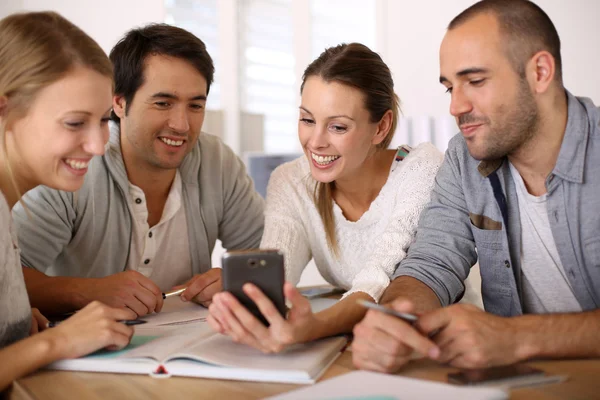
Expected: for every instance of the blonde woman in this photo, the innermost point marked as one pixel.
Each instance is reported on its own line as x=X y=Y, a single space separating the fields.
x=55 y=98
x=350 y=203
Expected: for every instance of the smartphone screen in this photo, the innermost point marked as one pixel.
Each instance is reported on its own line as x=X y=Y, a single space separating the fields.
x=263 y=268
x=493 y=374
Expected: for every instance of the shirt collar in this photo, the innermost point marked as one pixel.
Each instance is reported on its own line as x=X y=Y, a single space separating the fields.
x=571 y=158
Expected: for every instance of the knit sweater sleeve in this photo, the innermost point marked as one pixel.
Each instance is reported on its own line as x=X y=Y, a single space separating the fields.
x=284 y=229
x=414 y=182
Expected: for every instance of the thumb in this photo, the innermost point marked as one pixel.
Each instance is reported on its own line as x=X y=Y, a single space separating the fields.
x=299 y=303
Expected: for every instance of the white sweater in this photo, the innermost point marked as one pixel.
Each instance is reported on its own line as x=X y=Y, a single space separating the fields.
x=369 y=248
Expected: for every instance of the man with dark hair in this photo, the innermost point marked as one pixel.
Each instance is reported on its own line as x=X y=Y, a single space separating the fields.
x=519 y=192
x=525 y=29
x=152 y=207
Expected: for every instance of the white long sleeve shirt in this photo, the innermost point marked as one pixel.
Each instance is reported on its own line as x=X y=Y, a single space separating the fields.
x=369 y=248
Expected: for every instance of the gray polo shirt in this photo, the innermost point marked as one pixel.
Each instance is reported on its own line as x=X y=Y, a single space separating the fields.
x=88 y=234
x=474 y=206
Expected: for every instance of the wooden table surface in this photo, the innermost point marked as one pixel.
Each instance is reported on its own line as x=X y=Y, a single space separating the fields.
x=583 y=383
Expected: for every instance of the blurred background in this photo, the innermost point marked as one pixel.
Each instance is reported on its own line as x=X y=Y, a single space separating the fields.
x=261 y=47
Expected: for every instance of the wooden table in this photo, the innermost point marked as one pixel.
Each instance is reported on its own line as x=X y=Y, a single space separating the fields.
x=583 y=383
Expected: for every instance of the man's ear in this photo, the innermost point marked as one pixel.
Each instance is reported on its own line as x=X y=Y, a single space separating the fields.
x=119 y=105
x=541 y=70
x=383 y=127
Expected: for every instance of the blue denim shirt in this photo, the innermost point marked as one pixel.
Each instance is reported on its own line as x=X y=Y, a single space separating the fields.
x=474 y=215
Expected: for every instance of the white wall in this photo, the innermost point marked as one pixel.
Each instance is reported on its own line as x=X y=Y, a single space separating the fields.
x=415 y=31
x=104 y=20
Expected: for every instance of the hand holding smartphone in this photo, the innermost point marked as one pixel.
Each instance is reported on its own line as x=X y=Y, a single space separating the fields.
x=263 y=268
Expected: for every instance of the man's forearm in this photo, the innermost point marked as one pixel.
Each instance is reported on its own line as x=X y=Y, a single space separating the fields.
x=421 y=295
x=53 y=295
x=558 y=335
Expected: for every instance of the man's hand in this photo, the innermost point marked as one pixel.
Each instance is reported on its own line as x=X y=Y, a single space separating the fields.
x=128 y=289
x=38 y=321
x=468 y=337
x=385 y=343
x=202 y=287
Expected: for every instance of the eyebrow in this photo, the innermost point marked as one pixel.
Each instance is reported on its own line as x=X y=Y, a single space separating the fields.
x=88 y=113
x=165 y=95
x=331 y=117
x=305 y=110
x=464 y=72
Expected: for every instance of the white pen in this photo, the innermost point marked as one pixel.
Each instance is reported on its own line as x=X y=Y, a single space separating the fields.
x=173 y=293
x=410 y=318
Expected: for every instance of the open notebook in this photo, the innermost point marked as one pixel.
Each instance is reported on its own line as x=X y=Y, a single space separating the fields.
x=198 y=351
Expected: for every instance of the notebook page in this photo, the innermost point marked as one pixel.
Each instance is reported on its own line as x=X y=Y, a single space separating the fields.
x=308 y=357
x=161 y=348
x=176 y=312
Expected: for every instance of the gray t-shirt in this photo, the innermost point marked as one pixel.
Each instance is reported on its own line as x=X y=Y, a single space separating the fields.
x=15 y=311
x=546 y=288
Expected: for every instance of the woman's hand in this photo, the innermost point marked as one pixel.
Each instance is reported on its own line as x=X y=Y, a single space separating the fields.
x=92 y=328
x=229 y=317
x=38 y=321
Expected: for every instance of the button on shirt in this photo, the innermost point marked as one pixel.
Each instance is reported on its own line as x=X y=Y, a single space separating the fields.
x=162 y=252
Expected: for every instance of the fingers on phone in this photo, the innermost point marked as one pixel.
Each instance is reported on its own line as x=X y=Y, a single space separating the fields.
x=264 y=304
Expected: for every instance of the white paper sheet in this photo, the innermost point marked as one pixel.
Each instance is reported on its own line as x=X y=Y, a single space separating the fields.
x=176 y=316
x=362 y=385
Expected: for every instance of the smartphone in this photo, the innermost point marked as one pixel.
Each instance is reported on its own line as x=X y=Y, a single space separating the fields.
x=263 y=268
x=495 y=375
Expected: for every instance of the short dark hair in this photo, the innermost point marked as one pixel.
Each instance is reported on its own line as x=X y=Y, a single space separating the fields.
x=129 y=54
x=526 y=26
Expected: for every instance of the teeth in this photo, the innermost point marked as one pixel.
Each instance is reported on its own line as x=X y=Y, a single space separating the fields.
x=170 y=142
x=77 y=164
x=324 y=160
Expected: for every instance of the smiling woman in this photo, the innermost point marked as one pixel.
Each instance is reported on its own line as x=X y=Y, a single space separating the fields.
x=350 y=203
x=64 y=127
x=55 y=97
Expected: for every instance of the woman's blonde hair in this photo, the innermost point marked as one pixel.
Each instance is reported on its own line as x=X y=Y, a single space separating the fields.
x=359 y=67
x=37 y=49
